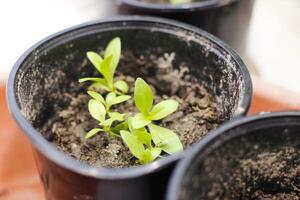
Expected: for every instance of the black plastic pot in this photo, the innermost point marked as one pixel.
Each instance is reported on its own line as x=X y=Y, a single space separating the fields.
x=227 y=19
x=215 y=159
x=34 y=79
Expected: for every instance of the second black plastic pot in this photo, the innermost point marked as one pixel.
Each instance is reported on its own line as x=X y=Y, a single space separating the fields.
x=227 y=19
x=250 y=145
x=49 y=67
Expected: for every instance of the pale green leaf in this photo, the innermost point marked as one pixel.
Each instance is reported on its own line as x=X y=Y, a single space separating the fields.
x=146 y=157
x=107 y=122
x=120 y=99
x=92 y=132
x=96 y=96
x=109 y=99
x=113 y=49
x=116 y=116
x=155 y=152
x=95 y=59
x=143 y=96
x=98 y=86
x=166 y=139
x=143 y=136
x=94 y=79
x=121 y=86
x=129 y=121
x=105 y=70
x=135 y=146
x=139 y=121
x=163 y=109
x=97 y=110
x=121 y=126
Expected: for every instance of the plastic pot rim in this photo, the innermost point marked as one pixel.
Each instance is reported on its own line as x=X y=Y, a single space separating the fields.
x=176 y=8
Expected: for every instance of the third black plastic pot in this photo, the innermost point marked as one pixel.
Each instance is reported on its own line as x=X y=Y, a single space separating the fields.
x=227 y=19
x=54 y=65
x=251 y=158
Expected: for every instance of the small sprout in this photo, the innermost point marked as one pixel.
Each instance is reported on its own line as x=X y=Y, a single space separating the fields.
x=110 y=100
x=107 y=68
x=99 y=110
x=143 y=98
x=180 y=1
x=165 y=139
x=139 y=142
x=137 y=147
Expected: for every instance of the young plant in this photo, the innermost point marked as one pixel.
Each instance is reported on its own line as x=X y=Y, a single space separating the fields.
x=138 y=139
x=179 y=1
x=107 y=67
x=99 y=109
x=110 y=99
x=145 y=140
x=143 y=98
x=139 y=142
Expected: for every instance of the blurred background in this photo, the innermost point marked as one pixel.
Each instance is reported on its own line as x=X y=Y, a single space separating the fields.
x=273 y=44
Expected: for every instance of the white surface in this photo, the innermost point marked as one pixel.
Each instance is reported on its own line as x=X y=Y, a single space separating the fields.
x=274 y=41
x=25 y=22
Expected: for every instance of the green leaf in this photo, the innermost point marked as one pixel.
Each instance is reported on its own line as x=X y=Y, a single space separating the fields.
x=92 y=132
x=120 y=99
x=94 y=79
x=143 y=136
x=163 y=109
x=109 y=99
x=156 y=152
x=96 y=96
x=97 y=85
x=121 y=86
x=121 y=126
x=166 y=139
x=105 y=70
x=95 y=59
x=143 y=96
x=129 y=122
x=107 y=122
x=116 y=116
x=113 y=49
x=146 y=157
x=141 y=133
x=139 y=121
x=97 y=110
x=134 y=145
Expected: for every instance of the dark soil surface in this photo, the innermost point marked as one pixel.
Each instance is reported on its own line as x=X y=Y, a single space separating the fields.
x=194 y=118
x=267 y=176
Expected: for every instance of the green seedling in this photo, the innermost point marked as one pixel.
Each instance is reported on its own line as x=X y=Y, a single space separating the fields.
x=145 y=140
x=143 y=98
x=99 y=109
x=180 y=1
x=165 y=139
x=107 y=67
x=139 y=142
x=110 y=99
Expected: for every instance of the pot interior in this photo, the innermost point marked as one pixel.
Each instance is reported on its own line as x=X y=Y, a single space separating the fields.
x=53 y=67
x=257 y=160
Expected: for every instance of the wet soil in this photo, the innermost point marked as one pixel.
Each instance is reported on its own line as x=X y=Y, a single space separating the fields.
x=195 y=117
